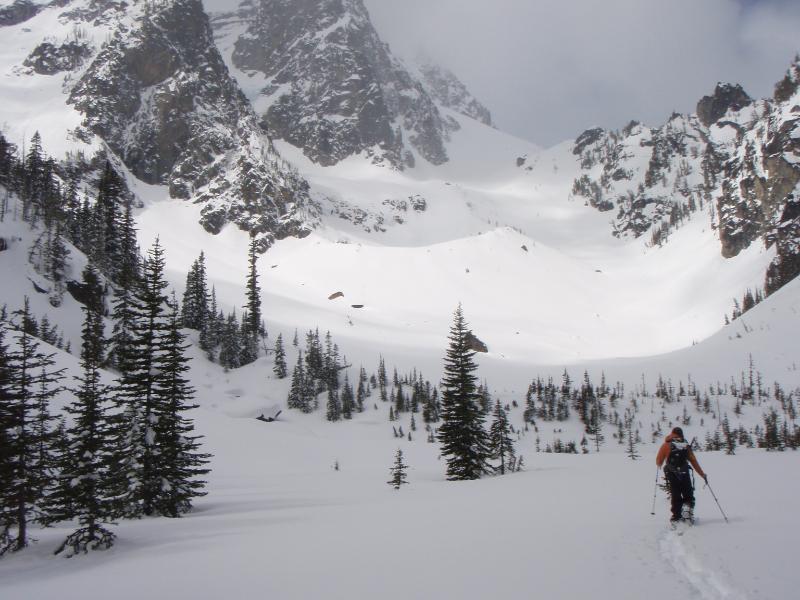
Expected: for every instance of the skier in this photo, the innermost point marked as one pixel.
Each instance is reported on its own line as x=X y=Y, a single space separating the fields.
x=676 y=454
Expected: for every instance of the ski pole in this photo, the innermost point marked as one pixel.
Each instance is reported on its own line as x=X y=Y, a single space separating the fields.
x=655 y=491
x=708 y=485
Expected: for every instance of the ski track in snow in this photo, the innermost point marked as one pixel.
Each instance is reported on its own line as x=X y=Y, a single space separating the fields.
x=707 y=584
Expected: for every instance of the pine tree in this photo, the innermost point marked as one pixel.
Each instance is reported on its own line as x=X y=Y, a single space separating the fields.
x=500 y=443
x=280 y=358
x=31 y=384
x=362 y=391
x=398 y=471
x=347 y=399
x=382 y=380
x=334 y=407
x=180 y=464
x=6 y=454
x=630 y=437
x=136 y=392
x=254 y=325
x=463 y=439
x=196 y=298
x=86 y=481
x=297 y=390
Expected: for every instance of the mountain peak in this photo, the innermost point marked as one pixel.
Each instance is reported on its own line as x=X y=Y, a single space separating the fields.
x=450 y=92
x=726 y=96
x=331 y=86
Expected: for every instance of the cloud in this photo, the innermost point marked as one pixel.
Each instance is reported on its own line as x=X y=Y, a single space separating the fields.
x=549 y=69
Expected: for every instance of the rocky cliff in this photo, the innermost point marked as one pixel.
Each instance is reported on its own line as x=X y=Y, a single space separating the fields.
x=736 y=159
x=330 y=85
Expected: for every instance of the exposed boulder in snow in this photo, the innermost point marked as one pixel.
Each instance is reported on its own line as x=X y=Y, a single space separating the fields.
x=726 y=97
x=336 y=295
x=474 y=344
x=331 y=85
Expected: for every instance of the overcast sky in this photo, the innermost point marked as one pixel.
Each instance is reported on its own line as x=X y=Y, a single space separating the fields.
x=548 y=69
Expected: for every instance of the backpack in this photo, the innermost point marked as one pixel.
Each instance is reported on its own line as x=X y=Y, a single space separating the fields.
x=678 y=459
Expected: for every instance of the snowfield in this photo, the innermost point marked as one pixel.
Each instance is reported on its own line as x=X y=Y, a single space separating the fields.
x=280 y=522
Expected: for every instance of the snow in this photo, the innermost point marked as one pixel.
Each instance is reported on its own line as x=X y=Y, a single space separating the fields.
x=280 y=522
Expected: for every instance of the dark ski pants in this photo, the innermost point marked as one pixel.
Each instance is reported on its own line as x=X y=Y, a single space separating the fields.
x=680 y=490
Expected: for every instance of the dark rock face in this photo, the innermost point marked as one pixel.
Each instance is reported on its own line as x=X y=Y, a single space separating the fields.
x=449 y=91
x=332 y=87
x=786 y=237
x=745 y=167
x=787 y=87
x=48 y=59
x=17 y=13
x=161 y=97
x=587 y=138
x=726 y=97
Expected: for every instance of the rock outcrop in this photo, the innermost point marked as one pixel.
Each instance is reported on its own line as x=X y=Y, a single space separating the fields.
x=737 y=159
x=160 y=96
x=331 y=86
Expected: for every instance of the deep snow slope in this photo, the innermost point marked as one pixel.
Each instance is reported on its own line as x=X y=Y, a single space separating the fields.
x=541 y=278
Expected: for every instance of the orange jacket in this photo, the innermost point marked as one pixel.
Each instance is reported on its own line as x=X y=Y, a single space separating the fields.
x=663 y=454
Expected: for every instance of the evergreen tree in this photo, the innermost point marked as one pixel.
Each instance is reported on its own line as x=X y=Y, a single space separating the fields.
x=254 y=325
x=362 y=391
x=334 y=407
x=500 y=443
x=85 y=482
x=31 y=384
x=230 y=347
x=347 y=399
x=463 y=439
x=196 y=297
x=382 y=380
x=180 y=463
x=630 y=437
x=297 y=390
x=280 y=358
x=398 y=471
x=6 y=455
x=136 y=391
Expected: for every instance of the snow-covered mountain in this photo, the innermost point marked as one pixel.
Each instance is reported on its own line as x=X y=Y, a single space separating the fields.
x=379 y=257
x=146 y=83
x=323 y=80
x=736 y=158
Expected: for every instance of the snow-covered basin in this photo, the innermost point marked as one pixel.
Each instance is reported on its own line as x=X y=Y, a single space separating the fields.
x=281 y=522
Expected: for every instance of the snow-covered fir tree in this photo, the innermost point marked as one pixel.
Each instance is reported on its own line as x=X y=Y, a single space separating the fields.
x=180 y=462
x=86 y=481
x=279 y=367
x=28 y=456
x=398 y=471
x=501 y=445
x=463 y=438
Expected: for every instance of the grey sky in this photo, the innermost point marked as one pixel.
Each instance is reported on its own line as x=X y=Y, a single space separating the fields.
x=548 y=69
